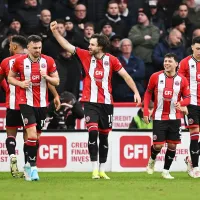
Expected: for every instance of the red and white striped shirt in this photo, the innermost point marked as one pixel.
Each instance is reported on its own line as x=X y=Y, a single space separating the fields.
x=13 y=92
x=167 y=91
x=97 y=86
x=190 y=68
x=37 y=93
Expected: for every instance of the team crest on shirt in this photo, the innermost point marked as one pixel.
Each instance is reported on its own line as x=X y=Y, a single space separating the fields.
x=154 y=137
x=87 y=119
x=190 y=121
x=177 y=83
x=25 y=121
x=43 y=65
x=106 y=63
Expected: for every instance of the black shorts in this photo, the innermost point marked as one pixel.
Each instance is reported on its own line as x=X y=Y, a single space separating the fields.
x=13 y=118
x=193 y=117
x=101 y=114
x=167 y=131
x=33 y=116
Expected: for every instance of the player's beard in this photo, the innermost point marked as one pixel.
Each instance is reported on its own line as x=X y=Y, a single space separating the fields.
x=36 y=55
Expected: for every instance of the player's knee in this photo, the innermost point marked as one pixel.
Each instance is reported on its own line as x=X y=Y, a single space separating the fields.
x=171 y=146
x=93 y=135
x=158 y=147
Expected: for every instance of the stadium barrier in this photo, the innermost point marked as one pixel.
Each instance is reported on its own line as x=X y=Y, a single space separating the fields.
x=67 y=151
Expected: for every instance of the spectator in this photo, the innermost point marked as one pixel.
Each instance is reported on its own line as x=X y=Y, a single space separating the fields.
x=113 y=16
x=135 y=68
x=157 y=18
x=29 y=16
x=138 y=122
x=63 y=8
x=144 y=37
x=73 y=34
x=171 y=44
x=88 y=32
x=125 y=14
x=43 y=28
x=51 y=47
x=107 y=29
x=68 y=65
x=16 y=25
x=80 y=16
x=114 y=45
x=196 y=33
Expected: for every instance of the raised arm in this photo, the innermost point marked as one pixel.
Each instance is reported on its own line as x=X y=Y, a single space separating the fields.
x=61 y=40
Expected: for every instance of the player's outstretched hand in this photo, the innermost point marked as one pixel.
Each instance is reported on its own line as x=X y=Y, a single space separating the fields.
x=146 y=119
x=57 y=102
x=25 y=84
x=137 y=98
x=53 y=26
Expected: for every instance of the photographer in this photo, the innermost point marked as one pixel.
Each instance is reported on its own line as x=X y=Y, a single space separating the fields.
x=66 y=116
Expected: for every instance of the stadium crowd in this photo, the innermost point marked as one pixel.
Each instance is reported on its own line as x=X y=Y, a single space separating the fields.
x=140 y=33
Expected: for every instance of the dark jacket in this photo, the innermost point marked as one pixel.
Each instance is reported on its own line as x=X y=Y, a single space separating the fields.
x=163 y=48
x=135 y=68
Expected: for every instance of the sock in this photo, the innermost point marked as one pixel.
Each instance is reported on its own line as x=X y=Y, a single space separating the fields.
x=32 y=151
x=37 y=146
x=199 y=147
x=194 y=149
x=102 y=167
x=10 y=145
x=94 y=165
x=154 y=152
x=103 y=148
x=92 y=145
x=25 y=153
x=169 y=156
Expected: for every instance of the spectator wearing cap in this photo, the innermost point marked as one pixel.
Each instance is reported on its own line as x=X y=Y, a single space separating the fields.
x=179 y=24
x=115 y=45
x=157 y=18
x=113 y=16
x=29 y=16
x=171 y=44
x=43 y=28
x=16 y=25
x=125 y=14
x=4 y=51
x=138 y=122
x=74 y=35
x=107 y=29
x=144 y=37
x=134 y=67
x=88 y=32
x=50 y=46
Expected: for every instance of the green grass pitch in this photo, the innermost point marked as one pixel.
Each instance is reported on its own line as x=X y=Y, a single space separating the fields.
x=80 y=186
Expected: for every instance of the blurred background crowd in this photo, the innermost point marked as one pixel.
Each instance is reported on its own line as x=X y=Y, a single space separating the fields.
x=141 y=32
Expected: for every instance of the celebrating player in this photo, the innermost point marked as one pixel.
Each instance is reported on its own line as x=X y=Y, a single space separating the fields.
x=190 y=68
x=36 y=71
x=97 y=94
x=168 y=88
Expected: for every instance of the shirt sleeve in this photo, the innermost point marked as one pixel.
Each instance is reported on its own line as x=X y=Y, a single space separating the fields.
x=2 y=68
x=116 y=64
x=82 y=53
x=51 y=67
x=185 y=93
x=182 y=67
x=151 y=84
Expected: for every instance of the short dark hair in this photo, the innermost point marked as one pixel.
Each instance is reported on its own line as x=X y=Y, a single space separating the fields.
x=182 y=4
x=102 y=41
x=20 y=40
x=34 y=38
x=112 y=2
x=171 y=55
x=60 y=21
x=196 y=40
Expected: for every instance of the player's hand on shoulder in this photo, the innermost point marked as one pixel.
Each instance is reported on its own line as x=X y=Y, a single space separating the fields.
x=137 y=98
x=25 y=84
x=146 y=119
